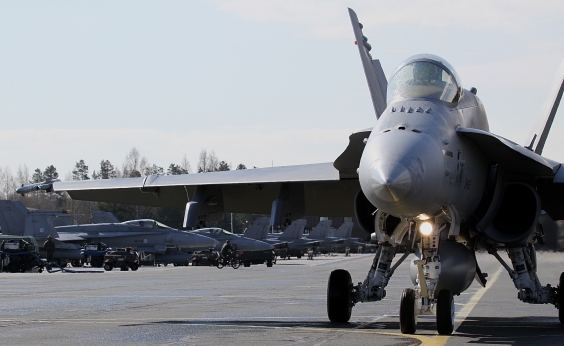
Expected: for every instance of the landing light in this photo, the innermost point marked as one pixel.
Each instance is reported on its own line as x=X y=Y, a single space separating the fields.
x=426 y=228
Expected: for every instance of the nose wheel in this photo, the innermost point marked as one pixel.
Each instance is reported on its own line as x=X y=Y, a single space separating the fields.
x=339 y=296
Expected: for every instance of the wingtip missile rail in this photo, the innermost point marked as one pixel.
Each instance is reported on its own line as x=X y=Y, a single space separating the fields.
x=45 y=186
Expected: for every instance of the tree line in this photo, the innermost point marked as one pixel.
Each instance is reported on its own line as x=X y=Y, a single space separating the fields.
x=134 y=165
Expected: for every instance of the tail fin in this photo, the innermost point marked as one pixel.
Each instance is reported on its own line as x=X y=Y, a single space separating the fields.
x=12 y=217
x=259 y=229
x=320 y=231
x=345 y=231
x=40 y=225
x=99 y=216
x=294 y=231
x=547 y=113
x=375 y=77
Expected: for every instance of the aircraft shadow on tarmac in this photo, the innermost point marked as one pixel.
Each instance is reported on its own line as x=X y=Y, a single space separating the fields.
x=512 y=330
x=478 y=330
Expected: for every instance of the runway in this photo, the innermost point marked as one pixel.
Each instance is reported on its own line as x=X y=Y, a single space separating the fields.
x=282 y=305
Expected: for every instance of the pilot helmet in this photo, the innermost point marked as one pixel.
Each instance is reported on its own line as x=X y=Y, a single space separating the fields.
x=426 y=71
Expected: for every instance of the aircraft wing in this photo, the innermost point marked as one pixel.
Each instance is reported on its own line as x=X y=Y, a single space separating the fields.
x=314 y=189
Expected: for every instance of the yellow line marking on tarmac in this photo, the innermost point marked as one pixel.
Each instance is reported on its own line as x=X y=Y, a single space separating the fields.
x=438 y=340
x=441 y=340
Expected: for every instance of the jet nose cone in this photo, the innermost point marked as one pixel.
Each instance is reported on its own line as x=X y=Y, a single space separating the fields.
x=390 y=181
x=402 y=172
x=199 y=241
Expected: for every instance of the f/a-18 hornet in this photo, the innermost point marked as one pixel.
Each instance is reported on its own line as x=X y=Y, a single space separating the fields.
x=429 y=176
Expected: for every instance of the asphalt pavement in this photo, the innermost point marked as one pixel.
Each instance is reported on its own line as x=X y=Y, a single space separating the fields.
x=282 y=305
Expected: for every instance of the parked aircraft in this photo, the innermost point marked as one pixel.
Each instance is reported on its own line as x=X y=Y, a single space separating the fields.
x=289 y=243
x=324 y=233
x=242 y=243
x=345 y=232
x=429 y=176
x=145 y=235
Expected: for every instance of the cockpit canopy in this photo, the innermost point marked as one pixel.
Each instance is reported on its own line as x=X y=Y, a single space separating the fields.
x=425 y=76
x=145 y=223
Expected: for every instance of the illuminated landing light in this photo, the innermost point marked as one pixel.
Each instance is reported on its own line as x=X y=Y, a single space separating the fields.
x=426 y=228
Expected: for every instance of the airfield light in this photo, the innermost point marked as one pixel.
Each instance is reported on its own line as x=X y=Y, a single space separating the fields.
x=426 y=228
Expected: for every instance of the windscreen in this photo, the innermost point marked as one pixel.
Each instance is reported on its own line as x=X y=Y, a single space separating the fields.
x=423 y=79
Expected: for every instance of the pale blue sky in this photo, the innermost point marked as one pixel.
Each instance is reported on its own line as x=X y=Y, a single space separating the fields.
x=258 y=82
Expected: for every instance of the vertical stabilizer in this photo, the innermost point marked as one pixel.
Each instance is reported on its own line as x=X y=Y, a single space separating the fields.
x=294 y=231
x=547 y=113
x=99 y=216
x=375 y=77
x=321 y=230
x=39 y=225
x=345 y=231
x=12 y=217
x=259 y=229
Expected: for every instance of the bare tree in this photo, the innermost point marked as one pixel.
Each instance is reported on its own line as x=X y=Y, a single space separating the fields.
x=208 y=162
x=22 y=177
x=185 y=164
x=134 y=164
x=7 y=182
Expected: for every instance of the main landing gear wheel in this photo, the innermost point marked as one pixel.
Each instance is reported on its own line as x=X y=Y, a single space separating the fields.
x=339 y=296
x=408 y=320
x=445 y=312
x=560 y=298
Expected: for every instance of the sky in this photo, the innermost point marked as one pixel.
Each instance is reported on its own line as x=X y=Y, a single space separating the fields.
x=257 y=82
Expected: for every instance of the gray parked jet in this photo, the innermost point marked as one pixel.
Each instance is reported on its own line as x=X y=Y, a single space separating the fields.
x=345 y=232
x=144 y=235
x=324 y=233
x=242 y=243
x=288 y=243
x=429 y=176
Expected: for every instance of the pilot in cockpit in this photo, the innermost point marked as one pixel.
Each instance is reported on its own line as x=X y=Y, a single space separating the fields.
x=425 y=73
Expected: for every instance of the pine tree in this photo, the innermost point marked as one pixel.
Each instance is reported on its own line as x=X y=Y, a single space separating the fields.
x=80 y=171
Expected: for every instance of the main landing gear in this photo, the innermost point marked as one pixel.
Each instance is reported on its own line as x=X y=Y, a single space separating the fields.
x=419 y=300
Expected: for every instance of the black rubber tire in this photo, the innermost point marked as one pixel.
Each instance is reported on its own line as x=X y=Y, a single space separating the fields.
x=560 y=298
x=14 y=267
x=108 y=267
x=339 y=296
x=134 y=266
x=235 y=263
x=96 y=262
x=76 y=263
x=408 y=321
x=269 y=264
x=445 y=312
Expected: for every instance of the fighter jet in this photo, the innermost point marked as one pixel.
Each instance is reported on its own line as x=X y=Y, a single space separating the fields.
x=429 y=177
x=242 y=243
x=324 y=233
x=148 y=236
x=345 y=232
x=288 y=243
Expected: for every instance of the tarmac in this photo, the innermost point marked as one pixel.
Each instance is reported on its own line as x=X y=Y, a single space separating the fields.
x=282 y=305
